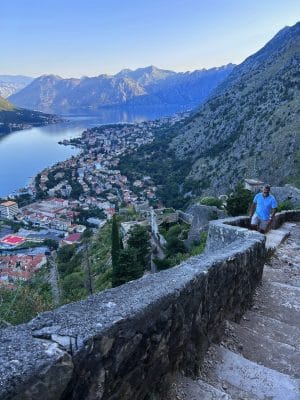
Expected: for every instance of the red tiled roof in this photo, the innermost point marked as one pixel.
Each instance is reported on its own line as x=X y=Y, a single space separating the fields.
x=74 y=237
x=8 y=203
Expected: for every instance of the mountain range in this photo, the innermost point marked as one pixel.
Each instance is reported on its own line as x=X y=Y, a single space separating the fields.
x=250 y=127
x=10 y=84
x=148 y=86
x=248 y=124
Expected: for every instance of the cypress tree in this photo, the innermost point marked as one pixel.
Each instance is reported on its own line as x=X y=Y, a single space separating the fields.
x=129 y=268
x=115 y=250
x=139 y=240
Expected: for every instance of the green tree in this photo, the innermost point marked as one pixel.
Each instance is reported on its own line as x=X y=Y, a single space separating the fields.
x=162 y=264
x=87 y=234
x=211 y=201
x=65 y=253
x=285 y=205
x=51 y=243
x=20 y=305
x=128 y=267
x=115 y=250
x=175 y=245
x=73 y=287
x=239 y=201
x=139 y=240
x=77 y=189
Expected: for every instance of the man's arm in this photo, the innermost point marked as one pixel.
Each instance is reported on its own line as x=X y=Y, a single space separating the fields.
x=272 y=217
x=252 y=209
x=273 y=212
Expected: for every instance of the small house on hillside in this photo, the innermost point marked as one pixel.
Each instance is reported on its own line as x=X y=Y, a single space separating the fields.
x=253 y=184
x=71 y=239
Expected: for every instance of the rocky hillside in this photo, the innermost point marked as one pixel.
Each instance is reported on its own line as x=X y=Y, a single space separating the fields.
x=13 y=118
x=5 y=105
x=148 y=86
x=251 y=126
x=10 y=84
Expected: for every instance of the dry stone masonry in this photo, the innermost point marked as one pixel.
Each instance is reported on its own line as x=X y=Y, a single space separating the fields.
x=120 y=343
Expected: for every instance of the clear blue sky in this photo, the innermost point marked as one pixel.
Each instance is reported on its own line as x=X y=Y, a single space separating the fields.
x=72 y=38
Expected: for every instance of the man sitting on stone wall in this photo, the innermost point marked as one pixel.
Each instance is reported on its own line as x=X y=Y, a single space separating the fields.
x=263 y=209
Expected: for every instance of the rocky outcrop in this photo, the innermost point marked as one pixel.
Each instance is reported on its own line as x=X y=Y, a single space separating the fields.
x=287 y=193
x=120 y=343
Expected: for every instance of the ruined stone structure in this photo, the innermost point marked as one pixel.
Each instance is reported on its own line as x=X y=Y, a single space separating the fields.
x=118 y=344
x=199 y=216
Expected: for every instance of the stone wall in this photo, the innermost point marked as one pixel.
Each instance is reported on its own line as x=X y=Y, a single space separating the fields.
x=118 y=344
x=291 y=215
x=225 y=231
x=199 y=216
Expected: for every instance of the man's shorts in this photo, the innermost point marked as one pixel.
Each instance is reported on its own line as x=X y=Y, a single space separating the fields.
x=261 y=223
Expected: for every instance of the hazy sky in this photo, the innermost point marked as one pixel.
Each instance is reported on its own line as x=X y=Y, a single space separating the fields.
x=72 y=38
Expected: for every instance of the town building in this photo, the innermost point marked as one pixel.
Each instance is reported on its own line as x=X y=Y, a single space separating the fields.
x=253 y=184
x=8 y=209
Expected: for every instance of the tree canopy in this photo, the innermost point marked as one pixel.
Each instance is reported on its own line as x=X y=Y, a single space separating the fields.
x=239 y=201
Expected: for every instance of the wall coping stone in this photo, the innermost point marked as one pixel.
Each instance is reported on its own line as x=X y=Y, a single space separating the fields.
x=39 y=359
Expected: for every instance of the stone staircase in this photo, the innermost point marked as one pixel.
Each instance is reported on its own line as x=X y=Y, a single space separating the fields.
x=259 y=358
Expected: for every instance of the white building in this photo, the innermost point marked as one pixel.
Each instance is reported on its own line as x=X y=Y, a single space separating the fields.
x=253 y=184
x=8 y=209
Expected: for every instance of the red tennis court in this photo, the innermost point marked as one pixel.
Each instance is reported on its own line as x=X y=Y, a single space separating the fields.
x=12 y=240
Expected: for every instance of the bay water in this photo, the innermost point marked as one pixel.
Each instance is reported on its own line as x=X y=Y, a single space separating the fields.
x=24 y=153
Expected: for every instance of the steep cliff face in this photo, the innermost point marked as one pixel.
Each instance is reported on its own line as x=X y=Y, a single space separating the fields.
x=251 y=126
x=148 y=86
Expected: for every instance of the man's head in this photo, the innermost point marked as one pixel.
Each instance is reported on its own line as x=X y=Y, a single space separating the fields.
x=266 y=190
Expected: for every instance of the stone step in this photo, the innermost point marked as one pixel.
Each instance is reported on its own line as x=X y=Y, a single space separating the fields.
x=184 y=388
x=264 y=350
x=272 y=328
x=279 y=301
x=276 y=236
x=286 y=275
x=246 y=379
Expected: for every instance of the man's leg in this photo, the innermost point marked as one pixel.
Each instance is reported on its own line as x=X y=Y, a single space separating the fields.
x=263 y=226
x=254 y=223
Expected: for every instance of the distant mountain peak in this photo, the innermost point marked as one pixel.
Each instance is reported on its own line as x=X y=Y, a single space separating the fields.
x=50 y=76
x=146 y=86
x=10 y=84
x=154 y=69
x=124 y=71
x=288 y=30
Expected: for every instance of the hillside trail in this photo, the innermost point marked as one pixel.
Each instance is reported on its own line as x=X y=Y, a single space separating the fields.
x=54 y=279
x=258 y=358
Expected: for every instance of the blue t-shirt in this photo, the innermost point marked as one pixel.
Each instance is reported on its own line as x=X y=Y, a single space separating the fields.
x=264 y=205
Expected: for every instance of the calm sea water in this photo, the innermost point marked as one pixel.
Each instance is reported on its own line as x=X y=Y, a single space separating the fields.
x=24 y=153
